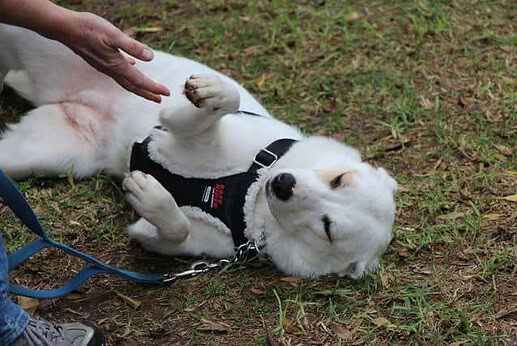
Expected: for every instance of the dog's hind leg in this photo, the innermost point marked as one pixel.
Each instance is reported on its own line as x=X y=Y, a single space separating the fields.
x=53 y=72
x=148 y=235
x=212 y=99
x=54 y=139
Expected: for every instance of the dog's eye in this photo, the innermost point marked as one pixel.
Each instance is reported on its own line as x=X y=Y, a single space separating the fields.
x=326 y=226
x=336 y=182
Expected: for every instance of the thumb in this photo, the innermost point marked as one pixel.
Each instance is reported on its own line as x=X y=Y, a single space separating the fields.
x=135 y=48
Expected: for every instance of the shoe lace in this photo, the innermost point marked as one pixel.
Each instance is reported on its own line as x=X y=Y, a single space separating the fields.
x=49 y=330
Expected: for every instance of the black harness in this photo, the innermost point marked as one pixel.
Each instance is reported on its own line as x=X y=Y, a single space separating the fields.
x=221 y=197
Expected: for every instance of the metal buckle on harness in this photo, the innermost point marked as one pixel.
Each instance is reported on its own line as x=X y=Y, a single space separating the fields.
x=265 y=165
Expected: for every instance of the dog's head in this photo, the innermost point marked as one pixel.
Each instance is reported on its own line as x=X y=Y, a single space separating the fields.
x=333 y=212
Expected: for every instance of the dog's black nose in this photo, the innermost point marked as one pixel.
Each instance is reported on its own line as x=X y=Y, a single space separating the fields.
x=282 y=186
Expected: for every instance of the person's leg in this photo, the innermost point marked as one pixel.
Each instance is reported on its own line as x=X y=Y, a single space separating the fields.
x=13 y=319
x=18 y=328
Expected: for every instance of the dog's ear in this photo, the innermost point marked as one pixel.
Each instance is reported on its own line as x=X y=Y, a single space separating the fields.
x=388 y=180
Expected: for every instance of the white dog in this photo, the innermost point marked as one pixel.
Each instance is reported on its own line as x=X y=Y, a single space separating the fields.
x=321 y=209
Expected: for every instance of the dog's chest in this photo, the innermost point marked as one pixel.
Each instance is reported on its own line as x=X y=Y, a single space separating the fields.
x=223 y=201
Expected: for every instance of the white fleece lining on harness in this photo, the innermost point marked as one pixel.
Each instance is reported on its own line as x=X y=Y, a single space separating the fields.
x=197 y=213
x=250 y=201
x=156 y=156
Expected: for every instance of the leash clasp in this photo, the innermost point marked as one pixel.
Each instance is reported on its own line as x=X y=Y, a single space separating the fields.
x=196 y=268
x=200 y=267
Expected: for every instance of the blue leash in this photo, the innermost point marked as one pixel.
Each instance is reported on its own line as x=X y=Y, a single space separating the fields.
x=17 y=203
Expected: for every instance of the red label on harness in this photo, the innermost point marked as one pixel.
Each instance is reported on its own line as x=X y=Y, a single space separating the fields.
x=218 y=196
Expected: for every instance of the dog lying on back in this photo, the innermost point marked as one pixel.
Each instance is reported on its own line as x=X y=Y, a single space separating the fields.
x=218 y=170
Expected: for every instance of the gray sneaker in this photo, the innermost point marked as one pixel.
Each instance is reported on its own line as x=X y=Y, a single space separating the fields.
x=41 y=332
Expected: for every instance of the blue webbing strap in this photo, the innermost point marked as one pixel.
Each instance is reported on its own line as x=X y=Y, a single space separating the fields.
x=15 y=200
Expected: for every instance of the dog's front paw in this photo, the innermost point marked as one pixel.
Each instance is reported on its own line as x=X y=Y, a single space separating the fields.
x=155 y=204
x=211 y=92
x=148 y=197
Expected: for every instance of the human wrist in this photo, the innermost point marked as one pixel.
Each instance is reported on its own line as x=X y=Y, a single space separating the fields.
x=60 y=24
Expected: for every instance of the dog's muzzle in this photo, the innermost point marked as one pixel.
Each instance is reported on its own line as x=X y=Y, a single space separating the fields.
x=282 y=186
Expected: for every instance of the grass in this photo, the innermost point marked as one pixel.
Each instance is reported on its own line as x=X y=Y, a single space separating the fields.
x=424 y=88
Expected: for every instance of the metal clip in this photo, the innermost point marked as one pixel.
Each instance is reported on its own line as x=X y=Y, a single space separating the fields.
x=196 y=268
x=169 y=277
x=203 y=266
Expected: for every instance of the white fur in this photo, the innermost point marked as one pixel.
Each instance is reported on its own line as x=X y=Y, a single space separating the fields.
x=85 y=122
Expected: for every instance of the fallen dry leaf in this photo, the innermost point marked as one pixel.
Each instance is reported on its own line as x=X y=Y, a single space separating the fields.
x=39 y=211
x=290 y=328
x=425 y=103
x=492 y=216
x=382 y=322
x=74 y=296
x=404 y=252
x=211 y=326
x=82 y=315
x=293 y=281
x=261 y=80
x=503 y=149
x=398 y=145
x=511 y=198
x=28 y=304
x=149 y=29
x=385 y=280
x=252 y=51
x=341 y=331
x=256 y=291
x=135 y=304
x=352 y=16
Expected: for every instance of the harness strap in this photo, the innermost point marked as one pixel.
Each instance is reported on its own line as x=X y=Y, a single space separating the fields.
x=269 y=155
x=265 y=158
x=17 y=203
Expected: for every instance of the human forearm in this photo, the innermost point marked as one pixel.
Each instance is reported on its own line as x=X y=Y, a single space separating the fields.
x=41 y=16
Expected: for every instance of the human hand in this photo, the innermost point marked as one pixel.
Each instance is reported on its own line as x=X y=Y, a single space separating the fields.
x=99 y=43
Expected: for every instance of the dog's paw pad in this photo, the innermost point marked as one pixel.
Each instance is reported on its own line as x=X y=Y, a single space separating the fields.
x=211 y=92
x=199 y=88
